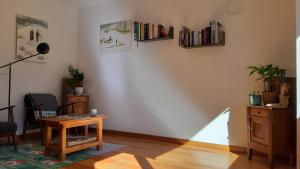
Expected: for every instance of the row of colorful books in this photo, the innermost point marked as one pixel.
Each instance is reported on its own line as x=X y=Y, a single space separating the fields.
x=211 y=35
x=147 y=31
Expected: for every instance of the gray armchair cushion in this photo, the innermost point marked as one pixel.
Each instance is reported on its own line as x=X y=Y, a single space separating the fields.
x=7 y=127
x=48 y=101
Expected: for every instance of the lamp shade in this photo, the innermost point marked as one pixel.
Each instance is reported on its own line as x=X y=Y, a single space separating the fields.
x=43 y=48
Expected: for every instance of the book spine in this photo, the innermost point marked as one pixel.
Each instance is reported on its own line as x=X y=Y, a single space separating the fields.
x=135 y=30
x=196 y=38
x=160 y=31
x=153 y=31
x=150 y=31
x=156 y=31
x=142 y=31
x=199 y=38
x=171 y=32
x=146 y=37
x=192 y=38
x=180 y=38
x=203 y=37
x=213 y=32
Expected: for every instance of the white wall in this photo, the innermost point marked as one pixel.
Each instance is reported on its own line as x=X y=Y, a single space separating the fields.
x=37 y=77
x=198 y=94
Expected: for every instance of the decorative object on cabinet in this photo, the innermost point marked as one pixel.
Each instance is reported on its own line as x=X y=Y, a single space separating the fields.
x=267 y=73
x=147 y=32
x=272 y=130
x=210 y=36
x=116 y=37
x=75 y=80
x=255 y=99
x=81 y=103
x=30 y=33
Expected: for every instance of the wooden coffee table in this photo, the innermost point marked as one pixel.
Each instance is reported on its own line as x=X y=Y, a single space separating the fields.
x=62 y=123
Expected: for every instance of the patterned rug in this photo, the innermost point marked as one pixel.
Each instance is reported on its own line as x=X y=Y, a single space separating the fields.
x=31 y=156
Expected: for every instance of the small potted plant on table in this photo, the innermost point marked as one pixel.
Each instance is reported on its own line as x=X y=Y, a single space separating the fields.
x=75 y=80
x=267 y=73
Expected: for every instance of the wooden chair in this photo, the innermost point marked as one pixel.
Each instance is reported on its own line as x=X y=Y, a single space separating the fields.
x=9 y=128
x=41 y=103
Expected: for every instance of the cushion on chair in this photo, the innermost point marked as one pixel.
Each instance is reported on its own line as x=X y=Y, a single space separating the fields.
x=7 y=127
x=44 y=114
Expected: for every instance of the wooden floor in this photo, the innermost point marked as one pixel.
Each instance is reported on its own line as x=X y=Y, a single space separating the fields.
x=149 y=154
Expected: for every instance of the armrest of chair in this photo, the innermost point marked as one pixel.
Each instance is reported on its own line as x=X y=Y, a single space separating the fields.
x=7 y=108
x=10 y=113
x=65 y=106
x=37 y=107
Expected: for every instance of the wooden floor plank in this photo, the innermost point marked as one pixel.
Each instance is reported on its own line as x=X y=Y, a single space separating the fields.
x=140 y=153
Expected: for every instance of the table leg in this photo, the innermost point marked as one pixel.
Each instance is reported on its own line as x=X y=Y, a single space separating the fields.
x=99 y=134
x=271 y=160
x=86 y=131
x=48 y=140
x=250 y=153
x=62 y=144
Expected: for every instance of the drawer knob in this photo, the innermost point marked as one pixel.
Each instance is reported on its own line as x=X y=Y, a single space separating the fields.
x=258 y=112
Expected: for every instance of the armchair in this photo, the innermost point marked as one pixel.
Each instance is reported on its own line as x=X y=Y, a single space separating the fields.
x=41 y=105
x=9 y=128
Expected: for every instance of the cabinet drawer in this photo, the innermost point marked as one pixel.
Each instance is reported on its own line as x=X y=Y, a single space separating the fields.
x=259 y=112
x=76 y=99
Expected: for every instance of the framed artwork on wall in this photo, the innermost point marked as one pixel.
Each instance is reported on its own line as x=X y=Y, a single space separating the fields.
x=30 y=33
x=116 y=37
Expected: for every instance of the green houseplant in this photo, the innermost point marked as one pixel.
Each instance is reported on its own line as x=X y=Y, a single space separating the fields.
x=75 y=79
x=267 y=73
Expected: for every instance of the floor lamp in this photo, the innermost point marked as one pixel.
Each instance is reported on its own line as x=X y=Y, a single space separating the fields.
x=42 y=48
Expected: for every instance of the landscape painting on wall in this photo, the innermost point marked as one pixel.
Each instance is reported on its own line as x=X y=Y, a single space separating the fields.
x=116 y=37
x=30 y=33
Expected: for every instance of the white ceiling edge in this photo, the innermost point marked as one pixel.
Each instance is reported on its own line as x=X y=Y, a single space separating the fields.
x=84 y=3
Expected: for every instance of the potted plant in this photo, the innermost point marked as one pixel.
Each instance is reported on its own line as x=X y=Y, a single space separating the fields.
x=267 y=73
x=75 y=80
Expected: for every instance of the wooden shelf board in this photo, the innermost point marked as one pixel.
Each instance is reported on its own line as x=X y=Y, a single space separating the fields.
x=158 y=39
x=202 y=46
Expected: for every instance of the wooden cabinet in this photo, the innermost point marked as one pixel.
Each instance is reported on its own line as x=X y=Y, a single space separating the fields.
x=272 y=131
x=81 y=106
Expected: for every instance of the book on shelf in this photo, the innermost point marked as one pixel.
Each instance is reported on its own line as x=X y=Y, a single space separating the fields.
x=136 y=31
x=142 y=30
x=213 y=26
x=146 y=36
x=148 y=31
x=212 y=35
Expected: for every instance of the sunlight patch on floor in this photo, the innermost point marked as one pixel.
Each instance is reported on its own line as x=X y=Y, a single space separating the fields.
x=200 y=157
x=122 y=160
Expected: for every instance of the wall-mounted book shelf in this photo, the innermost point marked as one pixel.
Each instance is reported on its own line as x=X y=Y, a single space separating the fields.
x=146 y=32
x=156 y=39
x=203 y=46
x=211 y=36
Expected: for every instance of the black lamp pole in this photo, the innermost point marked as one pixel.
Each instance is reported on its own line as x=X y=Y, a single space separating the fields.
x=42 y=48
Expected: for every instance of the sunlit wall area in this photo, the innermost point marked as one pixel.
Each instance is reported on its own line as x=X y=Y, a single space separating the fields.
x=161 y=89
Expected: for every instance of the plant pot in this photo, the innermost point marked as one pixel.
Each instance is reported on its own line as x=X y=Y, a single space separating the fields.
x=284 y=100
x=255 y=100
x=79 y=91
x=270 y=97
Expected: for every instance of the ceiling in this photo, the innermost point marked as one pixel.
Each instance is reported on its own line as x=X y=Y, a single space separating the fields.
x=83 y=3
